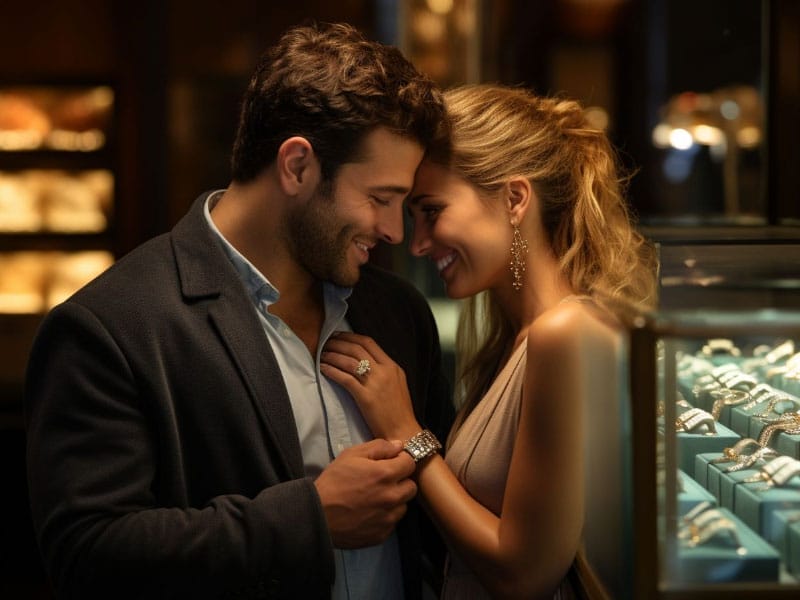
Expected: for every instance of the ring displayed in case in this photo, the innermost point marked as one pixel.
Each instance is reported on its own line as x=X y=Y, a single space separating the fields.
x=776 y=473
x=735 y=452
x=695 y=418
x=726 y=397
x=704 y=523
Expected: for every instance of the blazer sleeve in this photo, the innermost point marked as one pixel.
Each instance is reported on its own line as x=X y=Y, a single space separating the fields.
x=93 y=456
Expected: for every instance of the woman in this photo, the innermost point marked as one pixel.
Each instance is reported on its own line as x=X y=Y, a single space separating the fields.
x=523 y=215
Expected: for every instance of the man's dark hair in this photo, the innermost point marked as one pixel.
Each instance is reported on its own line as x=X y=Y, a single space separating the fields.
x=329 y=84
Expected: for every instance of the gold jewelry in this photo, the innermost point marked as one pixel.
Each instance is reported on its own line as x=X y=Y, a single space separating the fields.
x=705 y=379
x=774 y=372
x=698 y=520
x=789 y=424
x=693 y=419
x=780 y=352
x=726 y=376
x=702 y=535
x=747 y=461
x=726 y=397
x=722 y=370
x=519 y=249
x=776 y=473
x=741 y=381
x=774 y=403
x=363 y=367
x=735 y=452
x=703 y=522
x=718 y=346
x=759 y=394
x=793 y=361
x=698 y=508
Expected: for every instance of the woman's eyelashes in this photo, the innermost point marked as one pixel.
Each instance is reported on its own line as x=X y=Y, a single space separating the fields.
x=429 y=212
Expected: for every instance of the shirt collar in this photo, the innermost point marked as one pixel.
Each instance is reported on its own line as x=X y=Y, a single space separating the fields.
x=258 y=286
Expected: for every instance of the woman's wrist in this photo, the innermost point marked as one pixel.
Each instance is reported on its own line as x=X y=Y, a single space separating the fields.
x=403 y=431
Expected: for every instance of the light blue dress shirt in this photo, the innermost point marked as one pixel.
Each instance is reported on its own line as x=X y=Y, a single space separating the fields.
x=327 y=418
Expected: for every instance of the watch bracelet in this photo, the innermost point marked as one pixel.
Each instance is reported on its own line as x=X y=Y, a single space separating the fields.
x=422 y=445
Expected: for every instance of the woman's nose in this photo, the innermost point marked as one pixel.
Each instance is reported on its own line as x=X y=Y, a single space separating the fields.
x=390 y=227
x=420 y=243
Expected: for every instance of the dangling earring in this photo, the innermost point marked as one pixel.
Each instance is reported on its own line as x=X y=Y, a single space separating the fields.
x=519 y=249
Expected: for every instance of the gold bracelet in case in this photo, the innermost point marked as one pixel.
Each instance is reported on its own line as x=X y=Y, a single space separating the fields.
x=422 y=445
x=789 y=423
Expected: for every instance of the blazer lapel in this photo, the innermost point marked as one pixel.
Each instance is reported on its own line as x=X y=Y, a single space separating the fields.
x=367 y=315
x=206 y=272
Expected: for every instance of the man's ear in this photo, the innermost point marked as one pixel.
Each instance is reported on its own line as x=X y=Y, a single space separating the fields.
x=297 y=165
x=520 y=198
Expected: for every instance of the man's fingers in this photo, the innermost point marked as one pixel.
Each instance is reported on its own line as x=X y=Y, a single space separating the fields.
x=381 y=449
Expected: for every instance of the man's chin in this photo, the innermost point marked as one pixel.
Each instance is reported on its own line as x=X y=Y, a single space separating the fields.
x=349 y=279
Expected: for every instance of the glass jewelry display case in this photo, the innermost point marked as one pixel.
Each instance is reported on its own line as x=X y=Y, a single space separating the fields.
x=715 y=455
x=699 y=492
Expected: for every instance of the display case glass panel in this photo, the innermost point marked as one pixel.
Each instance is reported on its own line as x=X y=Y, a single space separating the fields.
x=723 y=391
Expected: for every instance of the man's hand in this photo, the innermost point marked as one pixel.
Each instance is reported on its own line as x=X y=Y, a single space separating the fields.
x=364 y=492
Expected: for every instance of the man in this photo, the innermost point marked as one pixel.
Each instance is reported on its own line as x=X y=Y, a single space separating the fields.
x=182 y=442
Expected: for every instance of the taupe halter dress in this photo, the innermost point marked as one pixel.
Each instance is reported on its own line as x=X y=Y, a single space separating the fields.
x=479 y=453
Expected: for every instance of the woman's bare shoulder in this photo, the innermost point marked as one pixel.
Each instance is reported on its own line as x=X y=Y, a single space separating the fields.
x=568 y=325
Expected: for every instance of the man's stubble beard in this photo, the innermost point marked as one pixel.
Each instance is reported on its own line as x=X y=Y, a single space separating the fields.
x=319 y=241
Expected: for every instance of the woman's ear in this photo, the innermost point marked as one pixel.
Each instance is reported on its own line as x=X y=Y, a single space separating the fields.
x=297 y=165
x=520 y=198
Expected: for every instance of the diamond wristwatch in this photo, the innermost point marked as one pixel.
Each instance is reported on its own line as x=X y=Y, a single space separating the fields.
x=422 y=445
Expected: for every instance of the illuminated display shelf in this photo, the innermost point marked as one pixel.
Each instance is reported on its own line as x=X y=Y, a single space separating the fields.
x=57 y=194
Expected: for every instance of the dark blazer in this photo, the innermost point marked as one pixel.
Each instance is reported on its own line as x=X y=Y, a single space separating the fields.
x=163 y=458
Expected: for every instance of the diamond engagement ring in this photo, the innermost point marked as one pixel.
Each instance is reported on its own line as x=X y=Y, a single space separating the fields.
x=363 y=367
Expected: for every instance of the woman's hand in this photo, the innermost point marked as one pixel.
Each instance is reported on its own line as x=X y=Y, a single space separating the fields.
x=381 y=391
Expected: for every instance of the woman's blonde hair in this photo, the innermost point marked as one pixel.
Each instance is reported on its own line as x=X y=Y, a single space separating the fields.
x=497 y=133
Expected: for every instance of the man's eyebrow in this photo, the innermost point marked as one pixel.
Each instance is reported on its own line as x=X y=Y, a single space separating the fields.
x=391 y=189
